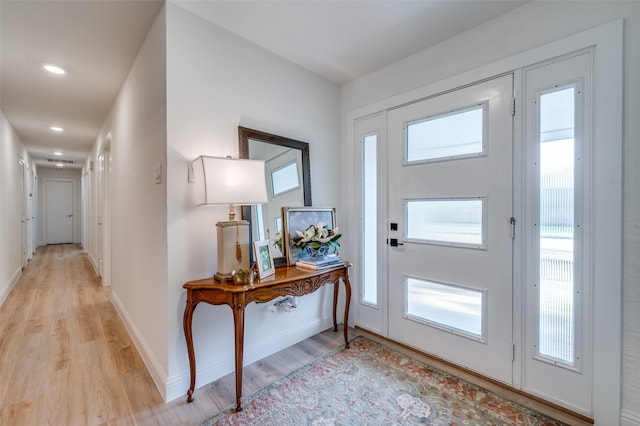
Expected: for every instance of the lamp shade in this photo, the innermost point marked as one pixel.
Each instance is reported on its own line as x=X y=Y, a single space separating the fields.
x=229 y=181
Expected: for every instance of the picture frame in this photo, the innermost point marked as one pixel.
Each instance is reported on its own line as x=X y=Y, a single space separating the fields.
x=264 y=259
x=298 y=219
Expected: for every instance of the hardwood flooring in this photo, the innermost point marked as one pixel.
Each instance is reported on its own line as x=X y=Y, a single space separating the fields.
x=66 y=358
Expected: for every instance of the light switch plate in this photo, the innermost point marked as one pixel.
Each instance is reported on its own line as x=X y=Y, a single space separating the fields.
x=157 y=170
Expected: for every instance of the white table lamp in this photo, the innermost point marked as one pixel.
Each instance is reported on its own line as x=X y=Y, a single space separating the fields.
x=222 y=181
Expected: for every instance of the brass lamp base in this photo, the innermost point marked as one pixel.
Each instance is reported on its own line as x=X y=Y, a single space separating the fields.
x=233 y=248
x=223 y=277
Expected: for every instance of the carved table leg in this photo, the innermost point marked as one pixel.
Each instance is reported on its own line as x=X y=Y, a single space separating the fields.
x=347 y=287
x=186 y=322
x=238 y=322
x=336 y=286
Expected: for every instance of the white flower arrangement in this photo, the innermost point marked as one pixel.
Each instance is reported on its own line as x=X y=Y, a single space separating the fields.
x=317 y=235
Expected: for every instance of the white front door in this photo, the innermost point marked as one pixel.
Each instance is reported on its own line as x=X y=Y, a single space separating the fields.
x=450 y=210
x=59 y=212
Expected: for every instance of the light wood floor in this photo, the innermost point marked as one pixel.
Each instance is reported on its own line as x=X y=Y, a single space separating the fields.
x=66 y=359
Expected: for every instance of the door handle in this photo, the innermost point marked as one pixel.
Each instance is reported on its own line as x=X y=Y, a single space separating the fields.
x=393 y=242
x=69 y=215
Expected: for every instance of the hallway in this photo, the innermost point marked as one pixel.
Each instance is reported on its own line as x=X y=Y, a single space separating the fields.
x=65 y=357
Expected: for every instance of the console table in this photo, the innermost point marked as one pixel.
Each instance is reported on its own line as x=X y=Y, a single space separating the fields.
x=287 y=281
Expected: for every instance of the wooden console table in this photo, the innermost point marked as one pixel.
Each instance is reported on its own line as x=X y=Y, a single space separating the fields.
x=287 y=281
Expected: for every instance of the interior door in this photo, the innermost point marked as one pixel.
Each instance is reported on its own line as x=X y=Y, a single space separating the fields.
x=59 y=212
x=450 y=231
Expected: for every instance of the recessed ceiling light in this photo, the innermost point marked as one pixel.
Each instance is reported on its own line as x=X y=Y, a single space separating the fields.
x=56 y=128
x=57 y=153
x=54 y=69
x=59 y=165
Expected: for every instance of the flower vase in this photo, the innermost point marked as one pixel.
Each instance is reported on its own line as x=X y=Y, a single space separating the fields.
x=320 y=253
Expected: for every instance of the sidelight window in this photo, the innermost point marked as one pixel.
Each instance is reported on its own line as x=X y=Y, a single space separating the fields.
x=557 y=225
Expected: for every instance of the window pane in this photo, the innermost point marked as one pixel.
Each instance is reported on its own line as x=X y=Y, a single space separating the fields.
x=556 y=311
x=284 y=178
x=459 y=133
x=452 y=221
x=448 y=306
x=258 y=213
x=370 y=209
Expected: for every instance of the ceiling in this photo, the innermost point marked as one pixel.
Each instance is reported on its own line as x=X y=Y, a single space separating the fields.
x=96 y=41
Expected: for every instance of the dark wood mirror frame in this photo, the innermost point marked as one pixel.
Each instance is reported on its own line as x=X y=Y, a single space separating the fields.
x=244 y=135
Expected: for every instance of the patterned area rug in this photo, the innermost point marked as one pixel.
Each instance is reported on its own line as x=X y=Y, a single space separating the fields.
x=370 y=384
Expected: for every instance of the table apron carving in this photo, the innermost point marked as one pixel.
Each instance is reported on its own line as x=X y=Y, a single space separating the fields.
x=288 y=281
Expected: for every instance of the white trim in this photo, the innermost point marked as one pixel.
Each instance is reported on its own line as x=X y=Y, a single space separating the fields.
x=208 y=371
x=150 y=361
x=93 y=262
x=607 y=214
x=627 y=418
x=12 y=283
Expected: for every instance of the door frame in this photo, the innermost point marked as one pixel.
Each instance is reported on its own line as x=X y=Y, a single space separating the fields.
x=24 y=213
x=104 y=210
x=607 y=41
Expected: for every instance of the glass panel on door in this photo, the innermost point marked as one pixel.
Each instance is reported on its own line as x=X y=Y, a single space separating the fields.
x=370 y=219
x=447 y=306
x=446 y=136
x=456 y=222
x=556 y=257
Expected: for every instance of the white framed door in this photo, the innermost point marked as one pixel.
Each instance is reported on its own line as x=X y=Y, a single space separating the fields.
x=24 y=215
x=104 y=213
x=60 y=208
x=31 y=213
x=450 y=212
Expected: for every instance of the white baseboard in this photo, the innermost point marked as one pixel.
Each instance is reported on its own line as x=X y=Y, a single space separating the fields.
x=12 y=283
x=94 y=264
x=207 y=372
x=150 y=361
x=627 y=418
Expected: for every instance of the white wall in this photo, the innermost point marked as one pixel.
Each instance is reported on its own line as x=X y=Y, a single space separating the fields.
x=55 y=173
x=532 y=25
x=215 y=82
x=11 y=152
x=137 y=128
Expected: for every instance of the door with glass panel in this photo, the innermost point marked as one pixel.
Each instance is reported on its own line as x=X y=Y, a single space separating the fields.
x=450 y=226
x=371 y=312
x=557 y=363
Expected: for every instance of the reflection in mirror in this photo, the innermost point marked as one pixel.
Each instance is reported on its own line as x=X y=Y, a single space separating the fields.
x=288 y=183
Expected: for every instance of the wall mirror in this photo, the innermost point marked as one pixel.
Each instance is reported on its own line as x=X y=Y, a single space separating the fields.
x=288 y=179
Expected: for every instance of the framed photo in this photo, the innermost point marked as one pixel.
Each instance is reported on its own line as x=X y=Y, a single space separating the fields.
x=299 y=219
x=264 y=260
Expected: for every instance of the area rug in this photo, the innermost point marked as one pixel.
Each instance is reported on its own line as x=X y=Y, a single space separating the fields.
x=370 y=384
